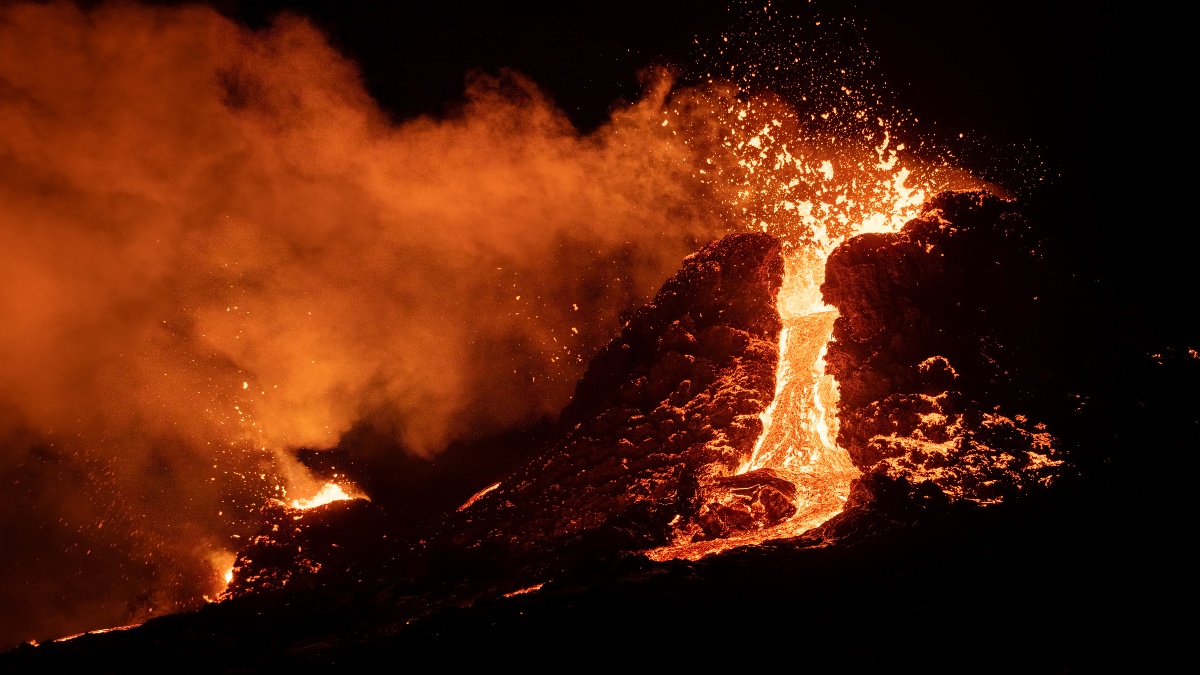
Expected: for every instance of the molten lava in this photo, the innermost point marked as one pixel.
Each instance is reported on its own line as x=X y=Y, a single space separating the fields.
x=330 y=492
x=256 y=258
x=813 y=192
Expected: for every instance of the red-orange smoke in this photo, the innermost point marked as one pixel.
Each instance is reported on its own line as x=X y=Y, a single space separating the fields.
x=214 y=247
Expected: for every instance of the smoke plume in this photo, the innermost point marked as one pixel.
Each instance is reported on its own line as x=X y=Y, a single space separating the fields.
x=216 y=248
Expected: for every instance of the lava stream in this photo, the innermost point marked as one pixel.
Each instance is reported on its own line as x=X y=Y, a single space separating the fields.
x=813 y=193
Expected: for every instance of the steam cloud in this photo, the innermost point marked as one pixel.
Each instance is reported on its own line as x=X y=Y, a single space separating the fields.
x=214 y=247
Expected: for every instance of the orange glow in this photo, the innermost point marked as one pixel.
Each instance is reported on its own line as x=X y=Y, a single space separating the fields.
x=478 y=495
x=523 y=591
x=329 y=493
x=99 y=631
x=813 y=191
x=215 y=248
x=222 y=562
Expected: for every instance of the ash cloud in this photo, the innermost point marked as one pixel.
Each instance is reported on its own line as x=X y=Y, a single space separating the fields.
x=215 y=248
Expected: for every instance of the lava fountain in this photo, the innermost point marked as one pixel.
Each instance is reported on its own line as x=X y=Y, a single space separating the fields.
x=813 y=190
x=283 y=261
x=329 y=493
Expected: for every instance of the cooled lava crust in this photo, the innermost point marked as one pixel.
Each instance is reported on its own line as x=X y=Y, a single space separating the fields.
x=669 y=405
x=658 y=423
x=942 y=354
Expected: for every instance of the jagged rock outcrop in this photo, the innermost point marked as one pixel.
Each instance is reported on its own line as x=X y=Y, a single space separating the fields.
x=897 y=344
x=748 y=501
x=939 y=353
x=661 y=420
x=295 y=545
x=670 y=405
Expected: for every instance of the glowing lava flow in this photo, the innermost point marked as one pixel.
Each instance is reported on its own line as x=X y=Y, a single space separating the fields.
x=813 y=217
x=813 y=192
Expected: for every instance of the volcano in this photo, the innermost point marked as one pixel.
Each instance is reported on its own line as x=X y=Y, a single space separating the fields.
x=981 y=517
x=811 y=353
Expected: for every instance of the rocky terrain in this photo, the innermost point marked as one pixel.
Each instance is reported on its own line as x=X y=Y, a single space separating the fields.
x=658 y=424
x=993 y=529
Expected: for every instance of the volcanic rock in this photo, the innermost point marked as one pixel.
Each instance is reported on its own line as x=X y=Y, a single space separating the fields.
x=963 y=575
x=670 y=405
x=753 y=500
x=294 y=545
x=660 y=421
x=936 y=351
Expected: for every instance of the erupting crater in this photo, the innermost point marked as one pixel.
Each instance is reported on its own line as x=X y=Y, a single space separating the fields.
x=234 y=269
x=323 y=524
x=733 y=409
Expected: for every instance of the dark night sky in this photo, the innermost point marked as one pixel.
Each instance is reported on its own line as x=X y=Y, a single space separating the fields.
x=1091 y=91
x=1019 y=72
x=1007 y=69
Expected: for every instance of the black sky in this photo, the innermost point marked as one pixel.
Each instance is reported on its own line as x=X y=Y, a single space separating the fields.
x=1090 y=91
x=1021 y=72
x=1000 y=68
